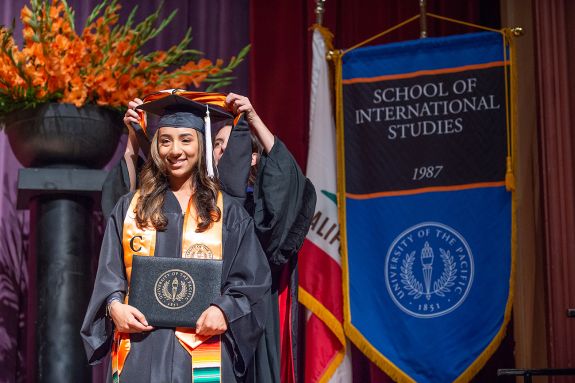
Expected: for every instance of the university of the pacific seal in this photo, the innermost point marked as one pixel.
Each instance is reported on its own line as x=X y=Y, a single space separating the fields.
x=174 y=289
x=429 y=270
x=200 y=251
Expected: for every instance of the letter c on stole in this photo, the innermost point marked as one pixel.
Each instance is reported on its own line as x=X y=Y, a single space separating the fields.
x=132 y=243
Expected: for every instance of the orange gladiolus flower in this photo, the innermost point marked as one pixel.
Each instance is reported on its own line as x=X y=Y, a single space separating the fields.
x=25 y=15
x=100 y=65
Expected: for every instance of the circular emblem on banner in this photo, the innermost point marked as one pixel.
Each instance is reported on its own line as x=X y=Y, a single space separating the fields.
x=174 y=289
x=429 y=270
x=200 y=251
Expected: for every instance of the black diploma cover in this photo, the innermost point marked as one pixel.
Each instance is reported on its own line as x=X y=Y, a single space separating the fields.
x=174 y=292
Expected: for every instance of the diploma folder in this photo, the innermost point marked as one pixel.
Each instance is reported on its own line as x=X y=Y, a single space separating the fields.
x=174 y=292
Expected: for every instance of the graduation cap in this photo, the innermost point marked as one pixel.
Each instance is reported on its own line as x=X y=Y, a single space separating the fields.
x=184 y=109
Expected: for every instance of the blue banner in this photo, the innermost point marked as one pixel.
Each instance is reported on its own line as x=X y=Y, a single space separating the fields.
x=428 y=220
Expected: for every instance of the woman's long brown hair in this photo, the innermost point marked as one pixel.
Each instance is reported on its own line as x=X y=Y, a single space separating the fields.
x=154 y=185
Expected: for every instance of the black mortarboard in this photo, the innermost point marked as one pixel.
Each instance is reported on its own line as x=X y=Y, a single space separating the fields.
x=176 y=111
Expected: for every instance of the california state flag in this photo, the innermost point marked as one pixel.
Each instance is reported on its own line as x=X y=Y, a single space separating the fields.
x=320 y=285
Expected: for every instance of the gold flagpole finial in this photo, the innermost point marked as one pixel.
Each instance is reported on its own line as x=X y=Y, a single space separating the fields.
x=517 y=31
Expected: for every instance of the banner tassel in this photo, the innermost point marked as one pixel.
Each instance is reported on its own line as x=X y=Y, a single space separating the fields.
x=509 y=176
x=511 y=104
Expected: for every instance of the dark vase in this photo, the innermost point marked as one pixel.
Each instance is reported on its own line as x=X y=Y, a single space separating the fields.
x=56 y=134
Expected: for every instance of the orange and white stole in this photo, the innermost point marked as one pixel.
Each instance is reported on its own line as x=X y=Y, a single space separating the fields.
x=204 y=350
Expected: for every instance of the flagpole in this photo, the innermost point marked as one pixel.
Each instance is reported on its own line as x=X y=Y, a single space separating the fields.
x=422 y=19
x=319 y=11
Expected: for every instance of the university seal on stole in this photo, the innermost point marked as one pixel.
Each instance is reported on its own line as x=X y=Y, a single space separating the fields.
x=174 y=289
x=200 y=251
x=429 y=270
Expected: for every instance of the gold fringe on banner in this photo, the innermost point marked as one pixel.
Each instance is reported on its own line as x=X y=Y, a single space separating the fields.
x=511 y=118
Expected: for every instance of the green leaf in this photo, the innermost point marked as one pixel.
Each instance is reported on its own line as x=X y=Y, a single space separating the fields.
x=96 y=12
x=69 y=15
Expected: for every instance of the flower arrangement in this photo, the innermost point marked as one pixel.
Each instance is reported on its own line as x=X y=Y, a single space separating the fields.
x=103 y=65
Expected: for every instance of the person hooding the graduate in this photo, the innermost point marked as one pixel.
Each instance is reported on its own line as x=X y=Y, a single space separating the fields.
x=178 y=205
x=282 y=202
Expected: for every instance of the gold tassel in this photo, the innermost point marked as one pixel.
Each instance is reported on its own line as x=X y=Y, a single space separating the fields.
x=512 y=110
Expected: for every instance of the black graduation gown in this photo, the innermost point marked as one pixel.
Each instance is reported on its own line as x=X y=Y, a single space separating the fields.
x=157 y=356
x=282 y=205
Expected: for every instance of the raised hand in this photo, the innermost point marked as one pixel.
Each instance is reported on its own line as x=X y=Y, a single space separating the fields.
x=131 y=116
x=132 y=146
x=237 y=104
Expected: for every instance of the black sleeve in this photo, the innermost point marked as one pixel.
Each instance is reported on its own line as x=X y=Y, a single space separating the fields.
x=284 y=202
x=300 y=226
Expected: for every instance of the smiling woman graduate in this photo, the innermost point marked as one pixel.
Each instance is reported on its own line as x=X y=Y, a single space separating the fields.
x=178 y=207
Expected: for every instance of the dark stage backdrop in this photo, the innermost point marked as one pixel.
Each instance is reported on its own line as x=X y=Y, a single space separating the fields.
x=276 y=77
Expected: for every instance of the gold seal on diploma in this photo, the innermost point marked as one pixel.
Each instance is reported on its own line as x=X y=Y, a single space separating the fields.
x=174 y=289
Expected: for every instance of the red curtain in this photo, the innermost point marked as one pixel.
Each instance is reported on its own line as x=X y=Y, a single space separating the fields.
x=280 y=67
x=280 y=80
